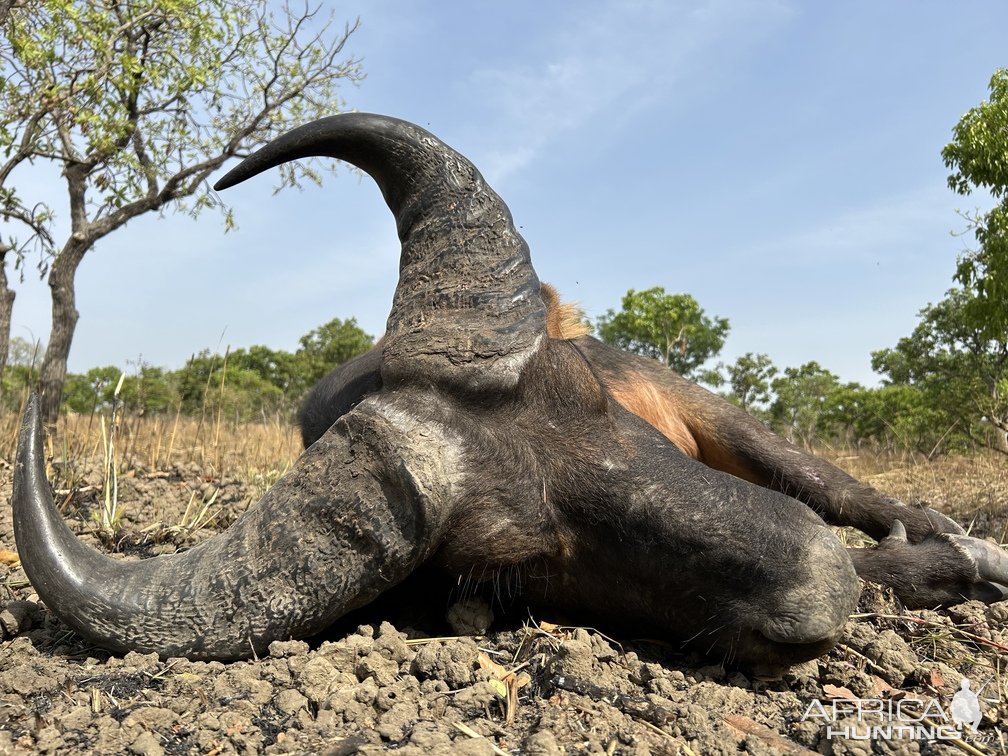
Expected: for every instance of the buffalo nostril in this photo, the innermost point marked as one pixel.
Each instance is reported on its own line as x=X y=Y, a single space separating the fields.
x=802 y=630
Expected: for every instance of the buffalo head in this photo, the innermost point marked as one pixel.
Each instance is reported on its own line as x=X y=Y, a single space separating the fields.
x=478 y=442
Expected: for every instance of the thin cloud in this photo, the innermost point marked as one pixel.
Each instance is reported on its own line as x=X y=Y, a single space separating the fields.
x=893 y=229
x=615 y=59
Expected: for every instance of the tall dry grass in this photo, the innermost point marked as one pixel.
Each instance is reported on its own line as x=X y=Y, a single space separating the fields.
x=968 y=488
x=218 y=446
x=98 y=448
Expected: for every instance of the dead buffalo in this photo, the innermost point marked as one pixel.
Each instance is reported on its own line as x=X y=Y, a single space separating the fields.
x=483 y=436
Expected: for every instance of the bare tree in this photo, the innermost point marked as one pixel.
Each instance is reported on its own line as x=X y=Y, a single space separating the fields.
x=138 y=103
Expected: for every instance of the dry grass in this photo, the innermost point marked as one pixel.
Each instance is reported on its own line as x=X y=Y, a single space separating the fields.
x=89 y=455
x=220 y=448
x=971 y=489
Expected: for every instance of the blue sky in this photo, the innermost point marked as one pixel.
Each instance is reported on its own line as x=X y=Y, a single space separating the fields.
x=778 y=160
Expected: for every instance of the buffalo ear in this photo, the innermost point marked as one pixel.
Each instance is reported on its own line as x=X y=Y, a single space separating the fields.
x=467 y=310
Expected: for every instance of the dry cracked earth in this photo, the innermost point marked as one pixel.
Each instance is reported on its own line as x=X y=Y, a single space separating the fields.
x=396 y=677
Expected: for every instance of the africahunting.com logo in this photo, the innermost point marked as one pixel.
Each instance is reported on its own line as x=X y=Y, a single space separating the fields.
x=903 y=718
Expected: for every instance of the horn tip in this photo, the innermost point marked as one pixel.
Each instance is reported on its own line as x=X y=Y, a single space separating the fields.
x=898 y=531
x=226 y=182
x=31 y=421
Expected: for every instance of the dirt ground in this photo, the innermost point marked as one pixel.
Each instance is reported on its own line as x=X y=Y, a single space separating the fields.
x=529 y=686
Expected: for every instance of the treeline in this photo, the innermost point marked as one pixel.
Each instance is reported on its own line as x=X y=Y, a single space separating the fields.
x=811 y=406
x=240 y=385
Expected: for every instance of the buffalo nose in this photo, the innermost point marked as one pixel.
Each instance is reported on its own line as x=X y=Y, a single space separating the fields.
x=815 y=607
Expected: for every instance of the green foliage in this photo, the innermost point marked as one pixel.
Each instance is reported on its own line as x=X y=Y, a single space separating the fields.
x=971 y=331
x=278 y=369
x=802 y=406
x=672 y=328
x=147 y=96
x=947 y=382
x=91 y=392
x=978 y=159
x=242 y=385
x=15 y=384
x=211 y=384
x=243 y=395
x=809 y=405
x=21 y=374
x=895 y=416
x=135 y=104
x=330 y=345
x=147 y=390
x=23 y=352
x=976 y=154
x=960 y=374
x=749 y=378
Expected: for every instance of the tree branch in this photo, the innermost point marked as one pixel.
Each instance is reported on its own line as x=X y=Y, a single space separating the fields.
x=30 y=219
x=26 y=147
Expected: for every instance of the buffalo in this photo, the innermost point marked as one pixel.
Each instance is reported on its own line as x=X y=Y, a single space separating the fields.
x=487 y=434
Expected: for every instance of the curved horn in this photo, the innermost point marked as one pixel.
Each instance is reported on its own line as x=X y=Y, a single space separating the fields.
x=348 y=521
x=467 y=308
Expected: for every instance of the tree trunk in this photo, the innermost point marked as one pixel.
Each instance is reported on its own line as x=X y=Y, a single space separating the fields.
x=999 y=437
x=6 y=308
x=64 y=322
x=1001 y=441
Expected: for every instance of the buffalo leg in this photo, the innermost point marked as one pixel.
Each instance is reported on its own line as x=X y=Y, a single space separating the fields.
x=727 y=438
x=941 y=570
